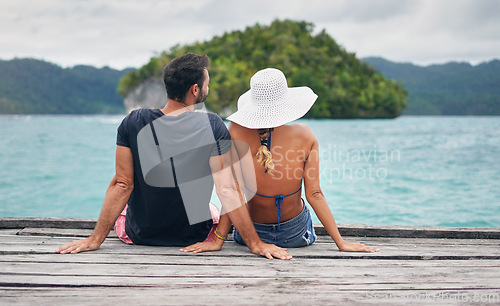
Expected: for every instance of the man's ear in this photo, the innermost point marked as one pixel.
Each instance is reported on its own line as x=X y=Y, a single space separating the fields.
x=195 y=90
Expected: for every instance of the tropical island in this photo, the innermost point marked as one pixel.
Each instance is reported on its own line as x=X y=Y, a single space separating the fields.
x=346 y=86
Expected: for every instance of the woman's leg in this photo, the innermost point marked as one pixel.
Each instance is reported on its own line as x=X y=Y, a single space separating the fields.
x=237 y=237
x=266 y=233
x=301 y=234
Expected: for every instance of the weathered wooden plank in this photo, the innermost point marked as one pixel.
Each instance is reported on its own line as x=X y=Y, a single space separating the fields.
x=313 y=251
x=237 y=296
x=318 y=250
x=9 y=231
x=413 y=241
x=443 y=242
x=334 y=272
x=360 y=230
x=59 y=232
x=21 y=222
x=102 y=275
x=228 y=261
x=291 y=283
x=379 y=241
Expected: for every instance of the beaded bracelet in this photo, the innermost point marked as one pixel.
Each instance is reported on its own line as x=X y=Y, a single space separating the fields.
x=219 y=235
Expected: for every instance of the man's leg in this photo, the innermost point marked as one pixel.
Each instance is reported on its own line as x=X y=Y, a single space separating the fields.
x=215 y=218
x=120 y=227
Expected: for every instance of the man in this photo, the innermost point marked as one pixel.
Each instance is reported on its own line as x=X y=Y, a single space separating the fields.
x=165 y=182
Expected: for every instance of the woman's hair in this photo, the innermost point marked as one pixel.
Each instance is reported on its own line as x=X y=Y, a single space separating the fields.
x=264 y=157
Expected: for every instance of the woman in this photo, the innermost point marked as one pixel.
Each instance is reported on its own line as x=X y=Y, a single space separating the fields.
x=284 y=156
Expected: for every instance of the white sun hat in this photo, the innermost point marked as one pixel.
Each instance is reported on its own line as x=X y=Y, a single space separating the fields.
x=270 y=102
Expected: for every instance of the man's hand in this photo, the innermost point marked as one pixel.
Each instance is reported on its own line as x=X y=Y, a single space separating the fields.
x=205 y=246
x=355 y=247
x=87 y=244
x=270 y=251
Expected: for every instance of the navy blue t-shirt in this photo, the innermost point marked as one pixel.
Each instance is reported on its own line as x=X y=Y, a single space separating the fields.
x=174 y=153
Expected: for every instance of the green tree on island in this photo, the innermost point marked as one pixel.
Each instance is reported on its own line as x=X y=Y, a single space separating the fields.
x=347 y=88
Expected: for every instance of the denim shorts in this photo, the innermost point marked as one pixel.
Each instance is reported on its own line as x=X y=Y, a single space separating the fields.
x=294 y=233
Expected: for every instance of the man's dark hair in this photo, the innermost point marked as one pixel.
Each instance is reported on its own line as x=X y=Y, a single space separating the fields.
x=182 y=72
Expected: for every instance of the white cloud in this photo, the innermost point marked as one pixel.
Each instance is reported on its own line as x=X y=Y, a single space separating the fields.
x=127 y=33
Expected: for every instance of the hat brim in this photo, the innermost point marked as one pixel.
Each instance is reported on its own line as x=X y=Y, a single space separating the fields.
x=254 y=115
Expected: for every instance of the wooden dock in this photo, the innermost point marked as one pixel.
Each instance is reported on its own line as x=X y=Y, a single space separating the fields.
x=415 y=265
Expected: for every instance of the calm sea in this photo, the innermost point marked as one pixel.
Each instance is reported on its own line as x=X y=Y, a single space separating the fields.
x=429 y=171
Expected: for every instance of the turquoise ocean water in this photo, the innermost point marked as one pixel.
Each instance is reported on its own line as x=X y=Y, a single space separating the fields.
x=429 y=171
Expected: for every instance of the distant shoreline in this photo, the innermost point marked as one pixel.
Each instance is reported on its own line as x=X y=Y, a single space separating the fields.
x=368 y=119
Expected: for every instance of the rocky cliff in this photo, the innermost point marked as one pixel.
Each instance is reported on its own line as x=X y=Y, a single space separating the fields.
x=149 y=94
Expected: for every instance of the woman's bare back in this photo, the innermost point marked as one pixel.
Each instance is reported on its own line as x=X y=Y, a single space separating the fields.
x=290 y=148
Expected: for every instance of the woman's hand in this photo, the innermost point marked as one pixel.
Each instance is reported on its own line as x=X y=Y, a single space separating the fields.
x=355 y=247
x=205 y=246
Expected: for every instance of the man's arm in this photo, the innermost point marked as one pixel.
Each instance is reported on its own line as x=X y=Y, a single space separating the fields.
x=116 y=198
x=232 y=202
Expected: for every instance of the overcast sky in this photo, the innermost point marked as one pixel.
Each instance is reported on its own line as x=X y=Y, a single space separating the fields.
x=127 y=33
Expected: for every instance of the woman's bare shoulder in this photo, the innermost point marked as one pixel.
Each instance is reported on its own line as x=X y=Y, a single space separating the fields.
x=235 y=129
x=301 y=130
x=296 y=130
